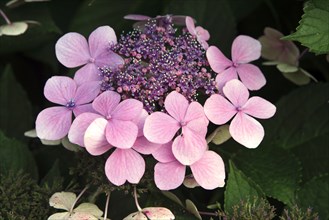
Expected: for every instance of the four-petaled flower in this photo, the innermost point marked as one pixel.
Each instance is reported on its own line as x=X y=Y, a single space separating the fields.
x=190 y=144
x=244 y=50
x=243 y=128
x=72 y=50
x=201 y=34
x=54 y=123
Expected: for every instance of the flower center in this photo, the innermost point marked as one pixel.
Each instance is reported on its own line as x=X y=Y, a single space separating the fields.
x=108 y=117
x=70 y=104
x=91 y=60
x=183 y=123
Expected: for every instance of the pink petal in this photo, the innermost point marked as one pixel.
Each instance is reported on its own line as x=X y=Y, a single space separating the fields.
x=109 y=59
x=217 y=60
x=82 y=109
x=94 y=138
x=160 y=128
x=251 y=76
x=158 y=213
x=124 y=165
x=189 y=147
x=196 y=118
x=128 y=110
x=245 y=49
x=209 y=171
x=79 y=127
x=236 y=92
x=121 y=134
x=100 y=40
x=246 y=130
x=60 y=89
x=202 y=33
x=190 y=25
x=140 y=121
x=87 y=73
x=53 y=123
x=164 y=153
x=135 y=17
x=168 y=176
x=72 y=50
x=87 y=92
x=144 y=146
x=259 y=108
x=176 y=105
x=106 y=102
x=224 y=77
x=218 y=109
x=82 y=216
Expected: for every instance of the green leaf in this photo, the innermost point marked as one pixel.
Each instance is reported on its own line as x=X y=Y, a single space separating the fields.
x=238 y=188
x=315 y=194
x=313 y=29
x=276 y=171
x=210 y=15
x=302 y=116
x=15 y=156
x=16 y=112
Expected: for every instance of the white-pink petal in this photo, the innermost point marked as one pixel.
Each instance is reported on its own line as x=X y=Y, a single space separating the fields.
x=79 y=127
x=144 y=146
x=124 y=165
x=106 y=102
x=86 y=92
x=259 y=108
x=246 y=130
x=189 y=147
x=140 y=121
x=109 y=59
x=168 y=176
x=53 y=123
x=100 y=39
x=190 y=25
x=224 y=77
x=87 y=73
x=209 y=171
x=218 y=109
x=217 y=60
x=245 y=49
x=60 y=89
x=176 y=105
x=94 y=138
x=160 y=128
x=251 y=76
x=196 y=119
x=236 y=92
x=128 y=110
x=77 y=110
x=164 y=153
x=121 y=134
x=72 y=50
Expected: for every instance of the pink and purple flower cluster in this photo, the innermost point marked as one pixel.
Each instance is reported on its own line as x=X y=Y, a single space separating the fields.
x=138 y=96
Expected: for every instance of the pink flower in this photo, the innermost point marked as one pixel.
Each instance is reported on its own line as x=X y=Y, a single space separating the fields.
x=161 y=128
x=244 y=50
x=273 y=48
x=208 y=171
x=201 y=34
x=54 y=123
x=72 y=50
x=243 y=128
x=117 y=124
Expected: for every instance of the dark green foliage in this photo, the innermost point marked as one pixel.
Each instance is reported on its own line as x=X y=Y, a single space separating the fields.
x=21 y=198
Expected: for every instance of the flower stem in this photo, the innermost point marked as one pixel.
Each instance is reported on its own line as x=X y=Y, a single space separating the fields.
x=5 y=17
x=136 y=200
x=76 y=200
x=209 y=213
x=107 y=205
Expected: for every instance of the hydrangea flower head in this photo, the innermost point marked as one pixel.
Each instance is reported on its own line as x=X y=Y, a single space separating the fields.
x=243 y=128
x=244 y=50
x=73 y=50
x=161 y=128
x=159 y=60
x=54 y=123
x=201 y=34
